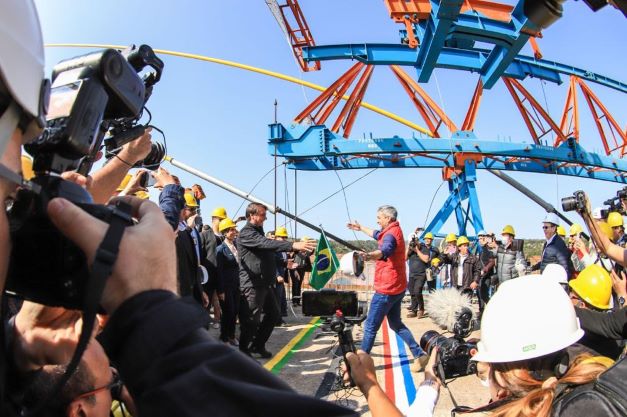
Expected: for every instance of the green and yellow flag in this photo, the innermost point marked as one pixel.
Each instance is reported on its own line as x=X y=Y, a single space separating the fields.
x=325 y=264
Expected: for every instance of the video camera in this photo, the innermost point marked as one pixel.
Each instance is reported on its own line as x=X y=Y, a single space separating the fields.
x=342 y=307
x=90 y=94
x=578 y=203
x=454 y=353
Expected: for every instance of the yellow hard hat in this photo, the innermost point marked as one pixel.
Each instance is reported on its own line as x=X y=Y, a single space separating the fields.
x=281 y=232
x=428 y=235
x=594 y=286
x=509 y=229
x=450 y=238
x=124 y=183
x=615 y=219
x=305 y=238
x=27 y=167
x=462 y=240
x=606 y=229
x=190 y=200
x=561 y=231
x=435 y=261
x=225 y=224
x=142 y=194
x=575 y=229
x=219 y=212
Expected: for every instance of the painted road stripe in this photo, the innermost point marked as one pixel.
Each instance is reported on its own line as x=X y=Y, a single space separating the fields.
x=399 y=383
x=400 y=397
x=410 y=387
x=275 y=364
x=387 y=362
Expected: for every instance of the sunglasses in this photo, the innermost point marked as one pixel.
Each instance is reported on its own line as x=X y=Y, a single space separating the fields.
x=115 y=386
x=548 y=227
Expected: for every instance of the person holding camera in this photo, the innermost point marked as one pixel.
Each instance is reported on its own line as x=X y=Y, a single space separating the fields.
x=419 y=257
x=390 y=283
x=465 y=267
x=487 y=261
x=509 y=255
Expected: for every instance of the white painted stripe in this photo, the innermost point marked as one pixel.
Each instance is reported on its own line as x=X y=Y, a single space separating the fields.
x=400 y=391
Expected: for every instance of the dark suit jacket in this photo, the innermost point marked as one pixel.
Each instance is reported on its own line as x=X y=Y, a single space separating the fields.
x=187 y=266
x=556 y=252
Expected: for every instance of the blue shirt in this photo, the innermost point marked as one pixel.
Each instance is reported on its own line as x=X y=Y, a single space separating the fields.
x=388 y=244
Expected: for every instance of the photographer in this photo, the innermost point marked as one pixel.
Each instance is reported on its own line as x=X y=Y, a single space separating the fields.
x=510 y=259
x=419 y=256
x=163 y=354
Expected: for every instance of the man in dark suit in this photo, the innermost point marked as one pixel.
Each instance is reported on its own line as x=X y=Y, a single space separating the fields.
x=555 y=250
x=257 y=274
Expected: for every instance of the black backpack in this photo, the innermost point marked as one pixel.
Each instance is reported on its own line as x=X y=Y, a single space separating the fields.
x=607 y=396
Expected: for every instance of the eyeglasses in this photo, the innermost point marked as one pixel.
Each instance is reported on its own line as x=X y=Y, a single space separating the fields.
x=115 y=386
x=548 y=227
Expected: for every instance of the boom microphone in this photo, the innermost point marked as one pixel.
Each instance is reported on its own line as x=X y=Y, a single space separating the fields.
x=451 y=310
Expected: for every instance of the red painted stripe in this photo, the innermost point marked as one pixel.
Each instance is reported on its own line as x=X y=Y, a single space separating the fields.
x=387 y=363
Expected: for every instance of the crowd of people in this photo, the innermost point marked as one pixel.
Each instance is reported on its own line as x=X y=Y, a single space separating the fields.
x=150 y=348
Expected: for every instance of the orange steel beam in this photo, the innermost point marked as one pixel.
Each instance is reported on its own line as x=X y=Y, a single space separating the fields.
x=613 y=126
x=329 y=99
x=471 y=114
x=347 y=116
x=300 y=35
x=409 y=12
x=433 y=115
x=569 y=125
x=536 y=49
x=491 y=9
x=532 y=117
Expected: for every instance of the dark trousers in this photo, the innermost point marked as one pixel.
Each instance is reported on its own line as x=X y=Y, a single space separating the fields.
x=296 y=278
x=415 y=285
x=484 y=292
x=281 y=297
x=230 y=308
x=255 y=331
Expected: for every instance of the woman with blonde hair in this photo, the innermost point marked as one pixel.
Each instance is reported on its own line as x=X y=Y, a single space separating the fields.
x=527 y=360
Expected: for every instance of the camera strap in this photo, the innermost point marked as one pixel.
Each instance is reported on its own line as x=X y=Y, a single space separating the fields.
x=104 y=262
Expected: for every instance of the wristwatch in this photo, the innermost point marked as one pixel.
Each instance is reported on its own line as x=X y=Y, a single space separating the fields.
x=621 y=301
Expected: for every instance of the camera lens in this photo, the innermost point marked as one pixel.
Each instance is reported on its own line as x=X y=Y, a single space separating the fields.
x=430 y=339
x=569 y=203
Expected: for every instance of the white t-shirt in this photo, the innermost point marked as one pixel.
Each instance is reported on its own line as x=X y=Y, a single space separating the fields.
x=460 y=270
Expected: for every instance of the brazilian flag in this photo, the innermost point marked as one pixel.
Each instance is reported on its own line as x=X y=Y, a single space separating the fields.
x=325 y=264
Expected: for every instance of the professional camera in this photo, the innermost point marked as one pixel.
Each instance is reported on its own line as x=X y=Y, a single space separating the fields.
x=454 y=352
x=577 y=202
x=89 y=94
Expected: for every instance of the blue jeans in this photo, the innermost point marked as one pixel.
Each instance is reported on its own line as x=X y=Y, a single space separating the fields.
x=381 y=306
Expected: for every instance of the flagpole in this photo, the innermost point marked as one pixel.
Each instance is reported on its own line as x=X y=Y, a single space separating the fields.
x=249 y=197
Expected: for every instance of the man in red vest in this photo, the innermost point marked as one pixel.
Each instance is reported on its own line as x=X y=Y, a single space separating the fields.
x=390 y=282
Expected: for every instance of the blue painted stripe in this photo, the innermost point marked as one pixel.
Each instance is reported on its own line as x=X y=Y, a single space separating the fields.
x=410 y=388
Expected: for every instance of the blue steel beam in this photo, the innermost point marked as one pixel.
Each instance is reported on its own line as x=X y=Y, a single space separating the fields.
x=458 y=59
x=317 y=148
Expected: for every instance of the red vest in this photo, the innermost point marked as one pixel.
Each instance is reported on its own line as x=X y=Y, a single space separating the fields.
x=389 y=275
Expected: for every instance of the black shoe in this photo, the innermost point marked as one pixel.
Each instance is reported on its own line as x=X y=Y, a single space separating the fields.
x=246 y=352
x=261 y=352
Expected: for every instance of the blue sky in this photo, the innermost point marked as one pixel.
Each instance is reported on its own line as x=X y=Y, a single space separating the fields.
x=215 y=117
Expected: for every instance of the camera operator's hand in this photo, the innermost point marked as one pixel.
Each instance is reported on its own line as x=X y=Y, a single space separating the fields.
x=618 y=283
x=134 y=184
x=163 y=178
x=45 y=335
x=307 y=245
x=137 y=149
x=361 y=370
x=76 y=178
x=146 y=259
x=430 y=372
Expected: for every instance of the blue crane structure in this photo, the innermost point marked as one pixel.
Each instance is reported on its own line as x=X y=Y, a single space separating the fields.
x=443 y=34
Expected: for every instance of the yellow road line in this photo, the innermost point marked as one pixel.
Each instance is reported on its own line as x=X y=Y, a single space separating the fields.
x=287 y=348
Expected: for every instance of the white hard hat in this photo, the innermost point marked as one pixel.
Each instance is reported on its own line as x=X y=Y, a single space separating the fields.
x=22 y=54
x=527 y=317
x=352 y=264
x=551 y=218
x=596 y=213
x=555 y=273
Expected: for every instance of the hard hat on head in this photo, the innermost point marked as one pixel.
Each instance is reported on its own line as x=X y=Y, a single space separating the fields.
x=512 y=331
x=594 y=286
x=450 y=238
x=575 y=229
x=508 y=229
x=428 y=235
x=281 y=232
x=555 y=273
x=27 y=167
x=551 y=218
x=190 y=200
x=142 y=194
x=22 y=57
x=124 y=183
x=561 y=231
x=462 y=240
x=614 y=219
x=435 y=261
x=305 y=238
x=219 y=212
x=482 y=233
x=225 y=224
x=606 y=229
